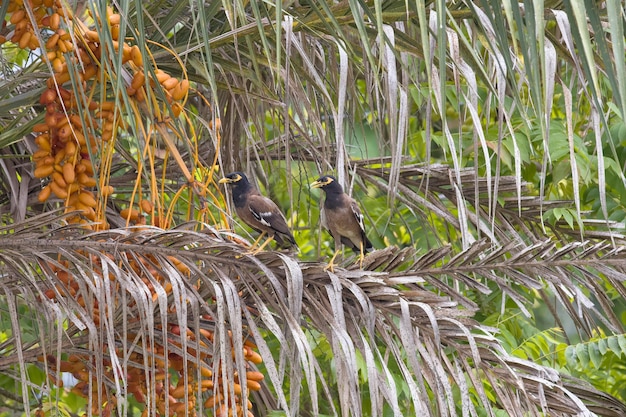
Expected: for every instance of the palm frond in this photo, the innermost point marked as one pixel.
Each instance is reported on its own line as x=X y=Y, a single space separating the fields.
x=288 y=308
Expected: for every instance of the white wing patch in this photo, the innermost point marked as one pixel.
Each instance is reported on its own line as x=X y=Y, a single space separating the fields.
x=358 y=215
x=263 y=217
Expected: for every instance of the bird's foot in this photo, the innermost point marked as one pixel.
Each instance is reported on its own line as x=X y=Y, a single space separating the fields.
x=256 y=251
x=331 y=265
x=361 y=258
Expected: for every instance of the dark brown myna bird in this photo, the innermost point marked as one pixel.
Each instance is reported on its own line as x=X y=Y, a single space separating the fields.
x=257 y=211
x=342 y=217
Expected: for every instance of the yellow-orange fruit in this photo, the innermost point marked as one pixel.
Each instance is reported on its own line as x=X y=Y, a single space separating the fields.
x=70 y=148
x=212 y=401
x=64 y=35
x=58 y=178
x=23 y=26
x=51 y=55
x=65 y=94
x=61 y=119
x=68 y=173
x=179 y=391
x=58 y=191
x=16 y=36
x=88 y=166
x=175 y=92
x=25 y=39
x=161 y=76
x=55 y=21
x=33 y=43
x=177 y=109
x=107 y=190
x=40 y=127
x=57 y=65
x=64 y=132
x=115 y=32
x=169 y=83
x=252 y=356
x=44 y=194
x=114 y=19
x=47 y=97
x=86 y=180
x=135 y=55
x=44 y=171
x=206 y=372
x=83 y=55
x=68 y=46
x=75 y=120
x=215 y=122
x=107 y=106
x=254 y=376
x=62 y=46
x=52 y=42
x=72 y=188
x=60 y=79
x=126 y=52
x=48 y=160
x=87 y=211
x=206 y=384
x=90 y=72
x=138 y=80
x=80 y=138
x=40 y=154
x=129 y=213
x=18 y=16
x=140 y=96
x=253 y=385
x=179 y=92
x=87 y=199
x=59 y=157
x=146 y=206
x=92 y=35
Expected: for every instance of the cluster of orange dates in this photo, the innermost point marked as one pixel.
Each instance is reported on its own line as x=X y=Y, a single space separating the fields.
x=175 y=396
x=79 y=120
x=75 y=126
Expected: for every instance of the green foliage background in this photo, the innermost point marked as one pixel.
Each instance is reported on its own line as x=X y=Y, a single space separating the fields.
x=567 y=145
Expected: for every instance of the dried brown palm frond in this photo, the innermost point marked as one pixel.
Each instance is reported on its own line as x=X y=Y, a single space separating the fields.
x=403 y=328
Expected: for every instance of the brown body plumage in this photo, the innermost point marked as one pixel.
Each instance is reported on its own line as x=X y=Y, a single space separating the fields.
x=257 y=211
x=342 y=217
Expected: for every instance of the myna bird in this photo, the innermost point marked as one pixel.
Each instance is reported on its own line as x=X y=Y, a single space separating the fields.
x=342 y=217
x=257 y=211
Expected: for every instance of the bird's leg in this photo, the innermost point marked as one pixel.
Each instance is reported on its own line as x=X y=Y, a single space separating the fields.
x=251 y=250
x=256 y=242
x=331 y=264
x=260 y=248
x=361 y=255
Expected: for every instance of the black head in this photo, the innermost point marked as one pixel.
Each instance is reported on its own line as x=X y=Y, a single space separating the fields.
x=235 y=178
x=327 y=183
